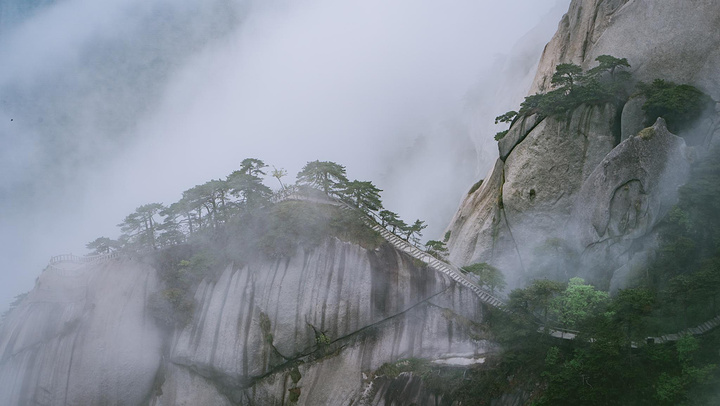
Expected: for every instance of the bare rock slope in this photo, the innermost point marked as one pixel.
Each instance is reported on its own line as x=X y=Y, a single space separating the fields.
x=314 y=327
x=82 y=337
x=533 y=207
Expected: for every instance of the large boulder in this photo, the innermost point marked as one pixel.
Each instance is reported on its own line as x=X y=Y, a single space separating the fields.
x=529 y=197
x=625 y=197
x=520 y=224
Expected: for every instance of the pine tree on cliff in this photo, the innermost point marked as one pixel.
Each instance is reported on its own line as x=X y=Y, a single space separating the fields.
x=566 y=76
x=103 y=245
x=141 y=225
x=252 y=166
x=324 y=175
x=364 y=195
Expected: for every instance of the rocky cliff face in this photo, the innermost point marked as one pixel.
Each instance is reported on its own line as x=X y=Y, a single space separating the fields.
x=334 y=315
x=82 y=337
x=531 y=217
x=674 y=40
x=313 y=328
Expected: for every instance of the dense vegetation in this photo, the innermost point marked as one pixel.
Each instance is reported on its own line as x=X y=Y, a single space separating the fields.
x=609 y=82
x=240 y=219
x=210 y=210
x=610 y=362
x=679 y=105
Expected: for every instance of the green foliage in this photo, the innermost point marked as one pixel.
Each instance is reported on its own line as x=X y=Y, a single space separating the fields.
x=363 y=195
x=679 y=105
x=295 y=375
x=292 y=224
x=507 y=117
x=686 y=274
x=279 y=174
x=601 y=366
x=393 y=369
x=565 y=76
x=103 y=245
x=574 y=88
x=294 y=394
x=500 y=135
x=322 y=340
x=414 y=231
x=446 y=237
x=535 y=298
x=487 y=276
x=324 y=175
x=578 y=302
x=252 y=167
x=181 y=271
x=629 y=309
x=608 y=63
x=171 y=307
x=247 y=188
x=141 y=225
x=438 y=249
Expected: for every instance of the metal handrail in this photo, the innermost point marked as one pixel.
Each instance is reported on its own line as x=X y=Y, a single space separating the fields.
x=83 y=260
x=375 y=223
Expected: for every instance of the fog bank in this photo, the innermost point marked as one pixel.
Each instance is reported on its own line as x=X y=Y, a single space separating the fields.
x=107 y=106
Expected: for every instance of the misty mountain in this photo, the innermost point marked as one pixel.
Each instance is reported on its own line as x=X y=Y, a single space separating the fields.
x=583 y=269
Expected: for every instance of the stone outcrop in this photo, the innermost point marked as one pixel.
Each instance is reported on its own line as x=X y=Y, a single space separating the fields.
x=669 y=39
x=528 y=198
x=624 y=198
x=315 y=325
x=255 y=324
x=526 y=215
x=82 y=337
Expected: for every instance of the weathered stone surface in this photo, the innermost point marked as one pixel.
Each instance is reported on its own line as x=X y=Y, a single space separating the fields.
x=472 y=227
x=632 y=118
x=374 y=306
x=627 y=194
x=529 y=198
x=666 y=39
x=183 y=387
x=578 y=31
x=669 y=39
x=82 y=337
x=516 y=134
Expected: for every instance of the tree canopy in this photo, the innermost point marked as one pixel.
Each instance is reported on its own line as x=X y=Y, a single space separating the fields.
x=327 y=176
x=140 y=226
x=488 y=276
x=363 y=195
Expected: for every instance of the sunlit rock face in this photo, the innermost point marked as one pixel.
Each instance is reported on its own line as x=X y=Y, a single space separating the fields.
x=530 y=217
x=255 y=324
x=82 y=337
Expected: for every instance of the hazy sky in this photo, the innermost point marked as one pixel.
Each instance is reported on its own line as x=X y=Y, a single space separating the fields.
x=105 y=106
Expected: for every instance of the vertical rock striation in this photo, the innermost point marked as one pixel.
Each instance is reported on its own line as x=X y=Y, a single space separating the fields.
x=333 y=312
x=82 y=337
x=530 y=217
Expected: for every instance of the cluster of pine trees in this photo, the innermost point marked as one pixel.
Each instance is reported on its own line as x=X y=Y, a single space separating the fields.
x=204 y=209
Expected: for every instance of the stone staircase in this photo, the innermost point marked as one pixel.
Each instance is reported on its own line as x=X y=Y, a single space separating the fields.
x=69 y=262
x=695 y=331
x=405 y=246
